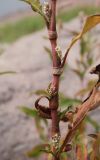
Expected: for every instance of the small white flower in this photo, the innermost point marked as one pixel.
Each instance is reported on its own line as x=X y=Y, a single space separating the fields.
x=46 y=8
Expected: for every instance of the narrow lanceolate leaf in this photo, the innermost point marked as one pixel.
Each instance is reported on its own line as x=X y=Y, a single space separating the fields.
x=7 y=72
x=36 y=7
x=90 y=22
x=66 y=101
x=41 y=92
x=28 y=111
x=35 y=4
x=36 y=151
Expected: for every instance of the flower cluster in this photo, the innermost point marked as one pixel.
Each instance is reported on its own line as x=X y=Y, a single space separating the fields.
x=55 y=140
x=59 y=52
x=46 y=9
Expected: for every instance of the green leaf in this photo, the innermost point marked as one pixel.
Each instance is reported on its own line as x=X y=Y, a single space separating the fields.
x=40 y=127
x=66 y=101
x=7 y=72
x=35 y=4
x=63 y=113
x=36 y=7
x=36 y=151
x=41 y=92
x=90 y=22
x=28 y=111
x=90 y=61
x=82 y=47
x=47 y=149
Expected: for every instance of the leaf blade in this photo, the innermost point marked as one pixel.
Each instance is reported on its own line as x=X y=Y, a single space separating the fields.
x=28 y=111
x=90 y=22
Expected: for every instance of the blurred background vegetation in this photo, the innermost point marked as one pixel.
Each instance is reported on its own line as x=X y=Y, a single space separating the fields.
x=14 y=25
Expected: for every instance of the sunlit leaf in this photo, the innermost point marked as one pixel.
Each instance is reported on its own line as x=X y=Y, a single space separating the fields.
x=36 y=7
x=35 y=4
x=90 y=22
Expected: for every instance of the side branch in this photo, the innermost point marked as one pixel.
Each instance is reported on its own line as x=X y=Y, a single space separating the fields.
x=92 y=103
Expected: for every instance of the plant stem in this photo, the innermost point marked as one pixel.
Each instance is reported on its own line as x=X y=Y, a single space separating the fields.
x=54 y=101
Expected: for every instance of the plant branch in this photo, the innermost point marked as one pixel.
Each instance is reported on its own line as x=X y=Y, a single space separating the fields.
x=55 y=79
x=92 y=103
x=54 y=101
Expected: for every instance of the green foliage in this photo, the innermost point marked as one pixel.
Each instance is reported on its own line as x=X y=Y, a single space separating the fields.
x=36 y=7
x=10 y=32
x=40 y=128
x=29 y=112
x=38 y=120
x=35 y=152
x=41 y=92
x=35 y=4
x=38 y=150
x=67 y=101
x=7 y=72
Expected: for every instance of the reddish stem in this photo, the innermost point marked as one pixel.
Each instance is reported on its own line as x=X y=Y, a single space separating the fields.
x=54 y=102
